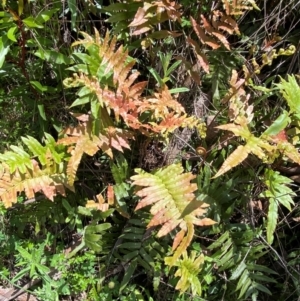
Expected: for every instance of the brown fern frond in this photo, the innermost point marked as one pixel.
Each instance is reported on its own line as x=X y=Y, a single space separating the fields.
x=204 y=39
x=224 y=22
x=203 y=61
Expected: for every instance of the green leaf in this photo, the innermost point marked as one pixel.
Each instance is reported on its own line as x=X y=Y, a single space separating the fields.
x=156 y=76
x=117 y=17
x=262 y=288
x=45 y=15
x=97 y=228
x=179 y=90
x=128 y=274
x=238 y=271
x=272 y=220
x=243 y=278
x=132 y=236
x=278 y=125
x=42 y=113
x=172 y=68
x=38 y=86
x=226 y=260
x=251 y=292
x=131 y=255
x=4 y=48
x=91 y=237
x=52 y=56
x=81 y=100
x=285 y=200
x=130 y=245
x=261 y=268
x=218 y=243
x=147 y=257
x=143 y=263
x=291 y=92
x=84 y=211
x=11 y=34
x=36 y=148
x=72 y=4
x=30 y=22
x=245 y=287
x=261 y=277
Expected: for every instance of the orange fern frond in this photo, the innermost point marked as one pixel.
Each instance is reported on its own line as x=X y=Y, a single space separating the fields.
x=154 y=13
x=211 y=34
x=239 y=7
x=32 y=181
x=161 y=104
x=170 y=193
x=125 y=100
x=101 y=204
x=258 y=146
x=81 y=139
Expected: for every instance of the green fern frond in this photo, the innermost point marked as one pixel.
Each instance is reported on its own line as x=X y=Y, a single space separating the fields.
x=137 y=246
x=169 y=191
x=188 y=270
x=18 y=159
x=278 y=194
x=291 y=93
x=234 y=249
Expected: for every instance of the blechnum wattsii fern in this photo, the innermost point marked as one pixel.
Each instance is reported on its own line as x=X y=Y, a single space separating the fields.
x=116 y=104
x=97 y=130
x=118 y=109
x=278 y=193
